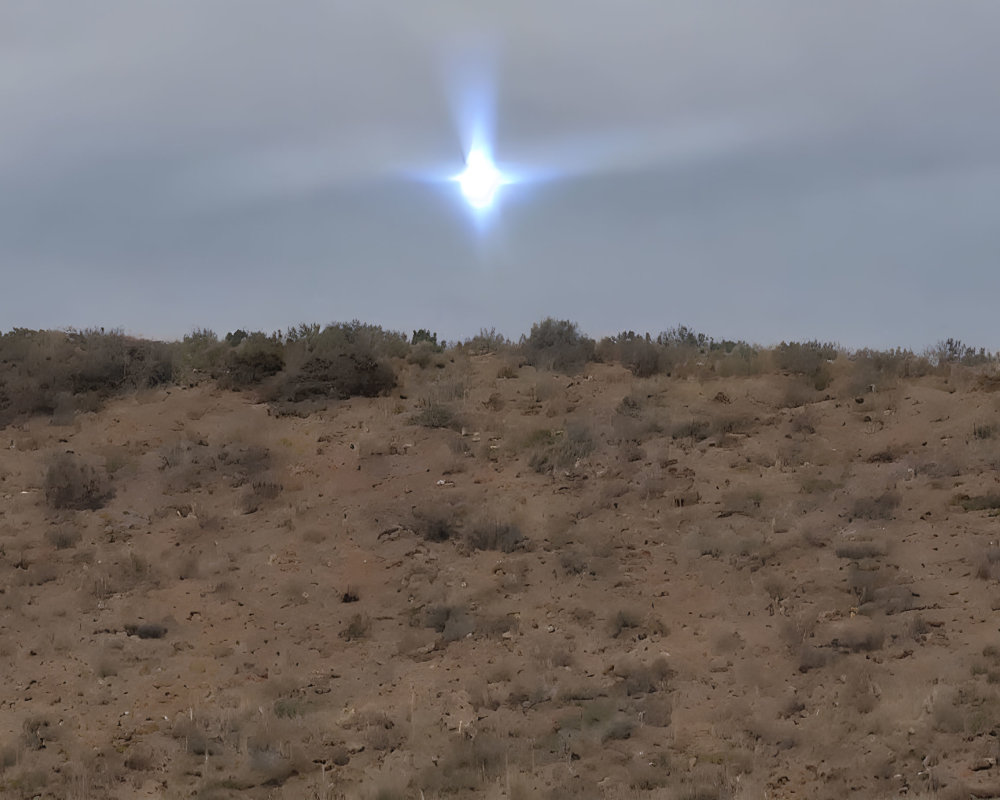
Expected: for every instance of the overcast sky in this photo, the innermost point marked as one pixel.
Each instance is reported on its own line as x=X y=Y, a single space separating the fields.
x=768 y=170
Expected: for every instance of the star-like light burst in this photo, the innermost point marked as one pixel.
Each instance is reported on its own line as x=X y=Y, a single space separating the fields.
x=481 y=180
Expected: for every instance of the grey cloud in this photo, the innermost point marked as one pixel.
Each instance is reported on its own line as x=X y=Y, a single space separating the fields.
x=770 y=170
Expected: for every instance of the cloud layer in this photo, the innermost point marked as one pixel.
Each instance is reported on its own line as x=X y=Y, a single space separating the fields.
x=777 y=170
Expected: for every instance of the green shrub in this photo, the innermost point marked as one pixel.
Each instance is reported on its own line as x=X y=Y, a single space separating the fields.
x=486 y=341
x=557 y=345
x=254 y=359
x=340 y=377
x=955 y=351
x=424 y=336
x=639 y=354
x=803 y=358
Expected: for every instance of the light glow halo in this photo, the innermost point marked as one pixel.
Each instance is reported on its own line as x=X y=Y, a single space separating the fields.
x=481 y=180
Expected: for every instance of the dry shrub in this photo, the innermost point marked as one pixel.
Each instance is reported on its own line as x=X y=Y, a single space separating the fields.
x=254 y=359
x=146 y=630
x=859 y=692
x=983 y=502
x=630 y=406
x=804 y=423
x=804 y=358
x=451 y=621
x=63 y=538
x=810 y=657
x=859 y=635
x=38 y=730
x=939 y=469
x=696 y=430
x=560 y=449
x=983 y=431
x=622 y=620
x=435 y=525
x=744 y=501
x=437 y=416
x=816 y=485
x=140 y=759
x=257 y=495
x=56 y=372
x=946 y=713
x=502 y=536
x=573 y=562
x=241 y=464
x=507 y=371
x=425 y=353
x=467 y=765
x=358 y=627
x=797 y=395
x=494 y=402
x=655 y=710
x=862 y=583
x=123 y=575
x=621 y=727
x=880 y=507
x=859 y=550
x=891 y=599
x=986 y=562
x=338 y=377
x=488 y=340
x=731 y=424
x=886 y=456
x=73 y=484
x=639 y=354
x=40 y=574
x=637 y=678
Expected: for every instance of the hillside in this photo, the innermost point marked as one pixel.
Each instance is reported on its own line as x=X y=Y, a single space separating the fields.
x=505 y=582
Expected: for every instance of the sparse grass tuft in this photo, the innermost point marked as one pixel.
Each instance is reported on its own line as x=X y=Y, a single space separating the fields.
x=983 y=431
x=258 y=494
x=502 y=536
x=63 y=538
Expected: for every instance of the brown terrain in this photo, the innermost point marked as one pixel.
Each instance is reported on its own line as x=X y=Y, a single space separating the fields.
x=497 y=581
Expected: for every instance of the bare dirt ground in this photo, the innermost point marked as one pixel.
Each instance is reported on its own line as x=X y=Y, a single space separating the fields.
x=589 y=587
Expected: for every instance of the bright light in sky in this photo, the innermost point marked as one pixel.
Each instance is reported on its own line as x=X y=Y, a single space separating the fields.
x=480 y=180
